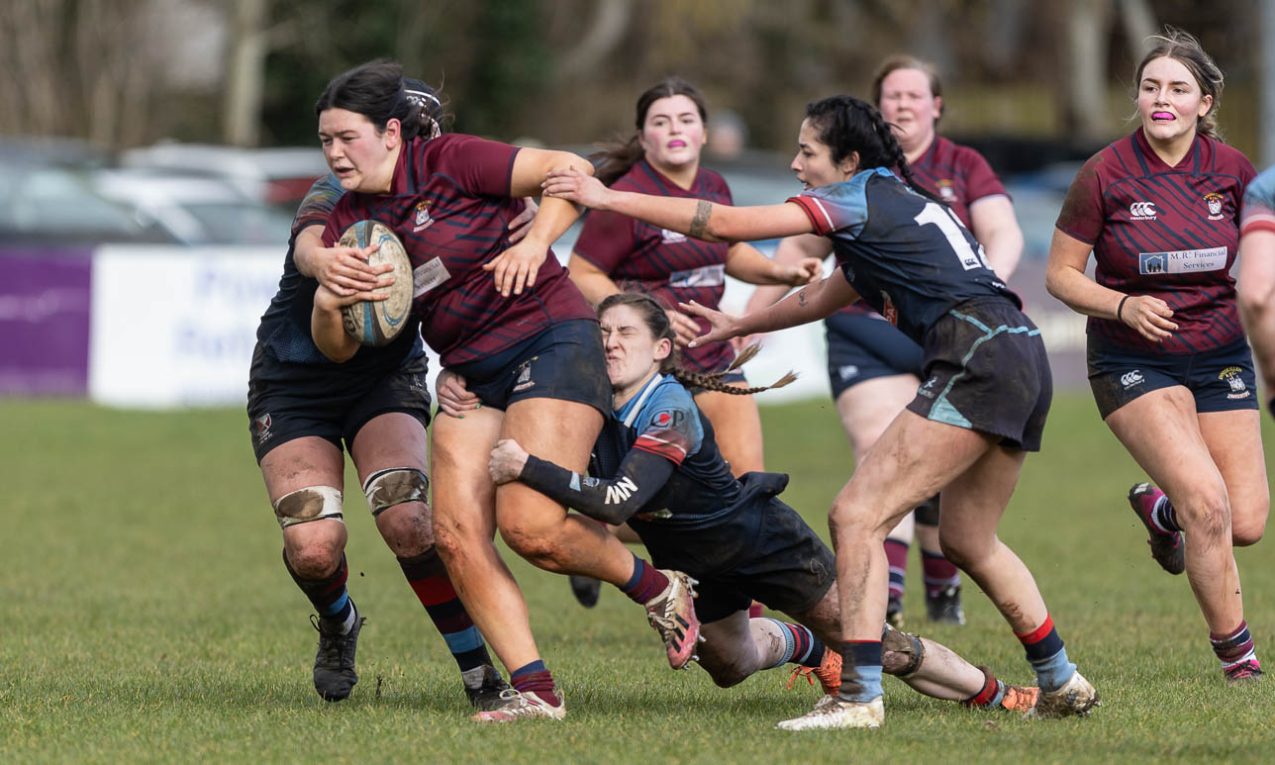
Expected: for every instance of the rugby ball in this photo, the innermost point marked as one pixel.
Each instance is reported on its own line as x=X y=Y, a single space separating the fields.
x=378 y=322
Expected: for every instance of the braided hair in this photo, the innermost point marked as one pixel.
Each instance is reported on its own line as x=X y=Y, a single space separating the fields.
x=847 y=125
x=657 y=321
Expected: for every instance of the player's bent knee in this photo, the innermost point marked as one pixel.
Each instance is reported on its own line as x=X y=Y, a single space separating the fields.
x=394 y=486
x=313 y=503
x=902 y=653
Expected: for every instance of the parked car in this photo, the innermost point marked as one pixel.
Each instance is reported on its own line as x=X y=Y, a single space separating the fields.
x=196 y=209
x=278 y=176
x=44 y=204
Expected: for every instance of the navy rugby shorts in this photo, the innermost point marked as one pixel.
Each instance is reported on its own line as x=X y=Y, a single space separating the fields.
x=862 y=347
x=762 y=551
x=986 y=370
x=287 y=401
x=1221 y=379
x=564 y=362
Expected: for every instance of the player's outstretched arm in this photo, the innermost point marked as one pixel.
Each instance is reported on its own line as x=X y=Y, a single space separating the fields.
x=611 y=500
x=810 y=303
x=694 y=217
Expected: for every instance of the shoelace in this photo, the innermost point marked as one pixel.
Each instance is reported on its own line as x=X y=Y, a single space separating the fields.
x=799 y=672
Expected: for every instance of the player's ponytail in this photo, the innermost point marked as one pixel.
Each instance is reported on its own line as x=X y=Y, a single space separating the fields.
x=657 y=321
x=619 y=156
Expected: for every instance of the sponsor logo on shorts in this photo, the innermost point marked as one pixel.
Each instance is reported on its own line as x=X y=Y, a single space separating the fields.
x=423 y=219
x=524 y=381
x=927 y=387
x=261 y=428
x=888 y=310
x=1142 y=210
x=668 y=236
x=848 y=372
x=1233 y=376
x=1130 y=379
x=1182 y=261
x=1214 y=202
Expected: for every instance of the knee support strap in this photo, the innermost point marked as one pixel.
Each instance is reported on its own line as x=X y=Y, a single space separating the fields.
x=901 y=652
x=394 y=486
x=312 y=503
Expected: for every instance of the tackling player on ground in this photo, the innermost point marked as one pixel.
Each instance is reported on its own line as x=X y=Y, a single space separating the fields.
x=656 y=466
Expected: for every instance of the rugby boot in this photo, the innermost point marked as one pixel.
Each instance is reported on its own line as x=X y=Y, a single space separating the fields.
x=831 y=713
x=334 y=675
x=672 y=614
x=944 y=607
x=1076 y=697
x=586 y=589
x=1166 y=547
x=514 y=705
x=1244 y=672
x=483 y=686
x=828 y=673
x=1020 y=698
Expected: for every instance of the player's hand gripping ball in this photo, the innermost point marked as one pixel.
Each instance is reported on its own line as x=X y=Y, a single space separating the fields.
x=378 y=322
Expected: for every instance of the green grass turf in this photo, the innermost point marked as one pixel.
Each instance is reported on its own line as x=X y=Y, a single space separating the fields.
x=145 y=616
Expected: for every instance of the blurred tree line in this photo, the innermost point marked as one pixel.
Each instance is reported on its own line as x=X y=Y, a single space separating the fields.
x=129 y=72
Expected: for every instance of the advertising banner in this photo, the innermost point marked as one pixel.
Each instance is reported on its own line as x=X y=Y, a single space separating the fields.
x=176 y=327
x=44 y=322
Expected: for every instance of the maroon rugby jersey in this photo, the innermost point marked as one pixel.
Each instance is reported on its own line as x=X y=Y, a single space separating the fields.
x=1171 y=232
x=450 y=206
x=956 y=174
x=664 y=264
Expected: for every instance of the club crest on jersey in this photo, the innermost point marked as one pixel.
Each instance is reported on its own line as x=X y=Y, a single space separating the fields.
x=1142 y=211
x=423 y=219
x=1214 y=201
x=1234 y=378
x=669 y=236
x=947 y=190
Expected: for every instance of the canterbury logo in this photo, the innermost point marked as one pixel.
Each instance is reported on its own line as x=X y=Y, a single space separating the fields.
x=1142 y=210
x=621 y=491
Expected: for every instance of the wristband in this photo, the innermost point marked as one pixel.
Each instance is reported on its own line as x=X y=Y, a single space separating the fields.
x=1120 y=307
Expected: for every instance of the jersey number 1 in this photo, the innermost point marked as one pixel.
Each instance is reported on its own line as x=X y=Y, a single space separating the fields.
x=942 y=217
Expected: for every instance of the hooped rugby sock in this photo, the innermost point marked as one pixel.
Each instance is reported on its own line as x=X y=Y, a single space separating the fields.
x=433 y=587
x=537 y=679
x=1234 y=647
x=990 y=695
x=896 y=554
x=861 y=671
x=940 y=573
x=800 y=645
x=1164 y=516
x=328 y=596
x=1047 y=656
x=646 y=583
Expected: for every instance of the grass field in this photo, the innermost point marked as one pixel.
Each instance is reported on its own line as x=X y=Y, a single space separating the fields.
x=145 y=616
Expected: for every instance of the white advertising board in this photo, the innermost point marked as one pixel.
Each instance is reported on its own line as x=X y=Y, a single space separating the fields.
x=175 y=327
